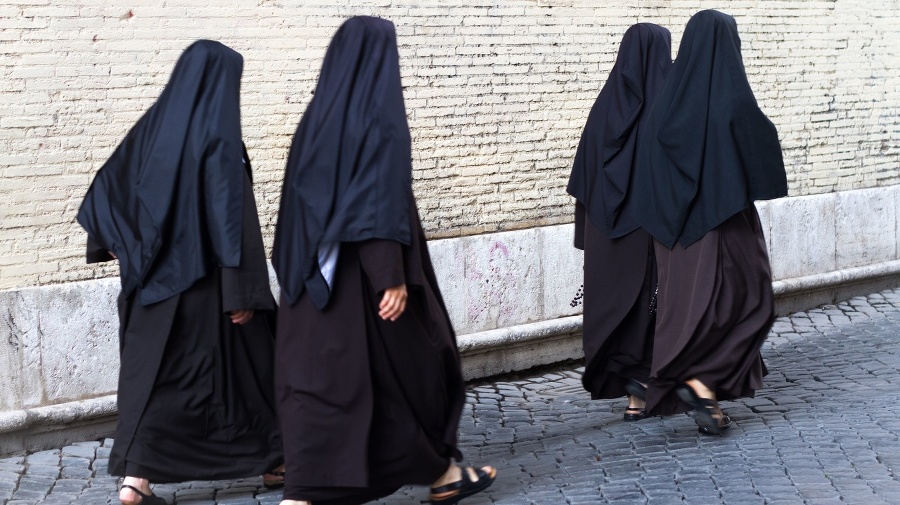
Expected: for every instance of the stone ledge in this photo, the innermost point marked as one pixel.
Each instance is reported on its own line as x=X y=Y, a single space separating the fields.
x=483 y=354
x=61 y=413
x=520 y=347
x=57 y=425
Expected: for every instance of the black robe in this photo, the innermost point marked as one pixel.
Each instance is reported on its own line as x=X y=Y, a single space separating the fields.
x=366 y=405
x=619 y=268
x=174 y=204
x=196 y=392
x=710 y=152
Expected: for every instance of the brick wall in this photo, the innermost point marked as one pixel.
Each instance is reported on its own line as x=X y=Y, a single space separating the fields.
x=497 y=92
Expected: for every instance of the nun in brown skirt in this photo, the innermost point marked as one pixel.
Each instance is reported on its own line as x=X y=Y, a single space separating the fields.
x=710 y=153
x=619 y=268
x=368 y=378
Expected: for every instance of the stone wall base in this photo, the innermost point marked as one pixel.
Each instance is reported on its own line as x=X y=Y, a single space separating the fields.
x=483 y=354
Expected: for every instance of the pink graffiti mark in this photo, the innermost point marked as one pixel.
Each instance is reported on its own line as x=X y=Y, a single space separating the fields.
x=488 y=289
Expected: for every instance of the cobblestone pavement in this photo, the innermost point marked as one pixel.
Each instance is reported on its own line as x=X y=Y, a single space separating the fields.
x=824 y=430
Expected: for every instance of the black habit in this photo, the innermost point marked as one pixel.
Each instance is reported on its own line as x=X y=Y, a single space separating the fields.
x=619 y=267
x=710 y=152
x=196 y=393
x=367 y=405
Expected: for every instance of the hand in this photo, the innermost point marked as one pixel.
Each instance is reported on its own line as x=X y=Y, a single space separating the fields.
x=241 y=316
x=393 y=303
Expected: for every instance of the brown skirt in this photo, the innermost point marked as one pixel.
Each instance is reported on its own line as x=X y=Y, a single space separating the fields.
x=366 y=405
x=715 y=308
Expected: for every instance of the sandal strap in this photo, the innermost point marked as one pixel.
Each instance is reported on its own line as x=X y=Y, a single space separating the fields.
x=462 y=482
x=136 y=490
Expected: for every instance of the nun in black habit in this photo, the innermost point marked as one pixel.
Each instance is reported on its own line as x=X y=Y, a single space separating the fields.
x=174 y=205
x=619 y=267
x=368 y=378
x=710 y=153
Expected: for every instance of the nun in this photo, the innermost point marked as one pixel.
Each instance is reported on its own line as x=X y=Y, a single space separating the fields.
x=710 y=153
x=368 y=377
x=619 y=266
x=174 y=205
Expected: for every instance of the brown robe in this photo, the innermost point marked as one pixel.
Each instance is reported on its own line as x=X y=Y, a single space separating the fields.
x=196 y=394
x=715 y=308
x=367 y=405
x=619 y=281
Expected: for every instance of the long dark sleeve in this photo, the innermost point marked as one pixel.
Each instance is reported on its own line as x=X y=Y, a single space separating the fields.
x=382 y=261
x=97 y=253
x=579 y=225
x=247 y=286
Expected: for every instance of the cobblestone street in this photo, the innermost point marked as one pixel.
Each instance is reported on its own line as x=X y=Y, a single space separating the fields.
x=825 y=429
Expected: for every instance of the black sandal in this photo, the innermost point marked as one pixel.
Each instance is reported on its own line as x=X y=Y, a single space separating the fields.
x=724 y=424
x=633 y=414
x=464 y=487
x=276 y=483
x=146 y=499
x=704 y=410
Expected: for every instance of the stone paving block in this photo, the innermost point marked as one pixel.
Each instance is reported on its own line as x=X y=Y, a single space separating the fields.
x=43 y=457
x=86 y=451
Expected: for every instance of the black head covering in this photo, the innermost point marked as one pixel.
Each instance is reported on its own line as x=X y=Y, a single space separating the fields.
x=601 y=173
x=169 y=201
x=349 y=171
x=710 y=150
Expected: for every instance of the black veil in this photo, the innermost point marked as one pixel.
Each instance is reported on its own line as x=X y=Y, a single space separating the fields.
x=710 y=150
x=602 y=170
x=349 y=171
x=170 y=197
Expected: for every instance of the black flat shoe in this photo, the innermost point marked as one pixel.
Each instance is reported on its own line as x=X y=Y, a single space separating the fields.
x=146 y=499
x=464 y=487
x=724 y=424
x=636 y=389
x=633 y=414
x=705 y=410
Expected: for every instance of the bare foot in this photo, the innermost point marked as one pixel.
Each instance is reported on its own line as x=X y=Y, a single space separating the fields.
x=295 y=502
x=128 y=496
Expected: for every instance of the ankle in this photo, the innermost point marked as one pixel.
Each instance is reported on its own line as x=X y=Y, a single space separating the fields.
x=142 y=485
x=452 y=474
x=701 y=389
x=636 y=403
